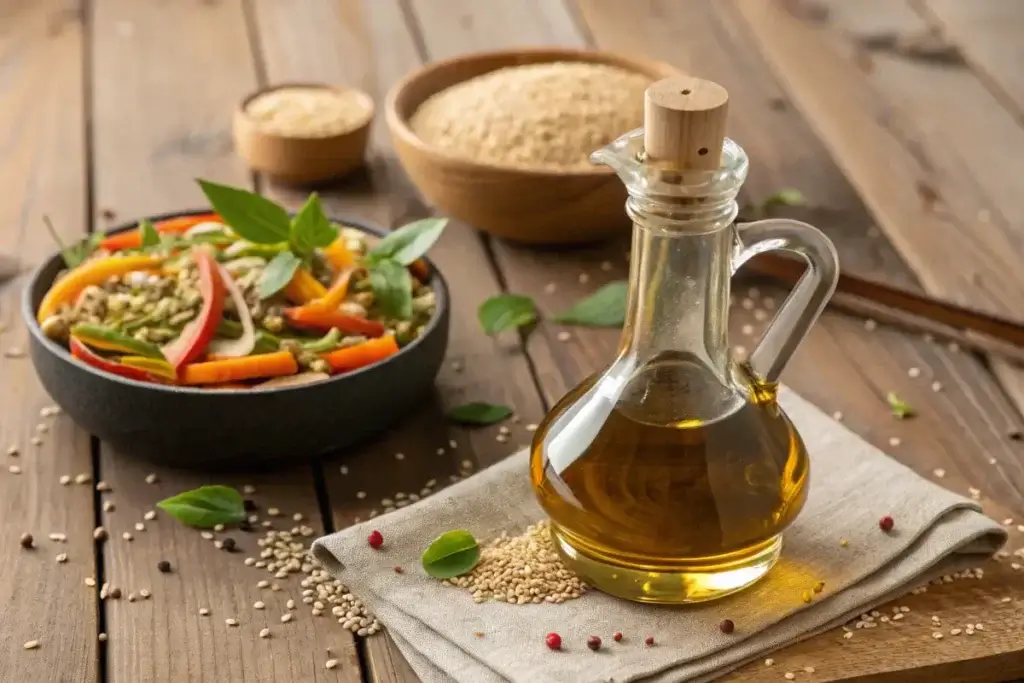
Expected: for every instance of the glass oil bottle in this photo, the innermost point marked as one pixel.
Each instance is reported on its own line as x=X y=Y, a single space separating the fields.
x=670 y=476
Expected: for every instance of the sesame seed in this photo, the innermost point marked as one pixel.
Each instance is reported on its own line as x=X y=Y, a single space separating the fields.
x=150 y=515
x=936 y=386
x=789 y=675
x=747 y=330
x=937 y=636
x=273 y=512
x=285 y=618
x=843 y=542
x=954 y=631
x=399 y=456
x=36 y=441
x=870 y=325
x=848 y=635
x=62 y=558
x=583 y=278
x=809 y=669
x=108 y=506
x=344 y=469
x=467 y=464
x=145 y=594
x=331 y=663
x=531 y=427
x=248 y=489
x=90 y=582
x=453 y=443
x=264 y=633
x=127 y=536
x=12 y=451
x=606 y=266
x=258 y=605
x=151 y=478
x=103 y=487
x=64 y=480
x=914 y=372
x=894 y=441
x=837 y=416
x=203 y=612
x=231 y=622
x=769 y=661
x=14 y=469
x=563 y=336
x=206 y=535
x=139 y=526
x=360 y=494
x=83 y=478
x=31 y=645
x=939 y=472
x=263 y=584
x=102 y=637
x=550 y=288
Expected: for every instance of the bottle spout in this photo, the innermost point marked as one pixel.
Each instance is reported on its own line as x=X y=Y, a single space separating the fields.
x=622 y=155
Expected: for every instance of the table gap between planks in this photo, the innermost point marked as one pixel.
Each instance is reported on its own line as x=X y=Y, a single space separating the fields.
x=103 y=113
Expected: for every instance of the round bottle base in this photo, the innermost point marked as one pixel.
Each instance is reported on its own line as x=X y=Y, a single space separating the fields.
x=678 y=585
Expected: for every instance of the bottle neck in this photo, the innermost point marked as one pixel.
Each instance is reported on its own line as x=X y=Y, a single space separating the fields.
x=679 y=281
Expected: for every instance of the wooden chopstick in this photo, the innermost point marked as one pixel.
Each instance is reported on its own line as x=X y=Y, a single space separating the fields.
x=908 y=310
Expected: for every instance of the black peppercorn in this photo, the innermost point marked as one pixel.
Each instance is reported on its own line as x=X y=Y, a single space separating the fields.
x=245 y=526
x=249 y=505
x=27 y=541
x=164 y=566
x=115 y=593
x=727 y=626
x=228 y=544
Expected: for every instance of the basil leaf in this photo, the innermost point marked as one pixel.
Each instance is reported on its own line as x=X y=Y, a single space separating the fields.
x=311 y=227
x=277 y=274
x=479 y=413
x=206 y=506
x=409 y=242
x=150 y=237
x=255 y=218
x=78 y=252
x=786 y=197
x=899 y=407
x=453 y=553
x=392 y=289
x=506 y=312
x=604 y=308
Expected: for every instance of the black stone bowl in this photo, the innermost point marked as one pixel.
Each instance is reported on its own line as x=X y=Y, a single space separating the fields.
x=194 y=427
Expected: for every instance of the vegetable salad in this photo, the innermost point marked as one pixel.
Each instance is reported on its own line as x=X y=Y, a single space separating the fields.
x=243 y=296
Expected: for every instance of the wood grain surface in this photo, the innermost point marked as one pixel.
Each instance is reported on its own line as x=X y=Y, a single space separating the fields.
x=42 y=171
x=899 y=120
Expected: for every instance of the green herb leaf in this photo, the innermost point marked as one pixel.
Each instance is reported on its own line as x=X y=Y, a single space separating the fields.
x=278 y=274
x=453 y=553
x=604 y=308
x=311 y=228
x=899 y=407
x=785 y=197
x=392 y=288
x=206 y=506
x=255 y=218
x=150 y=237
x=78 y=252
x=408 y=243
x=479 y=413
x=506 y=312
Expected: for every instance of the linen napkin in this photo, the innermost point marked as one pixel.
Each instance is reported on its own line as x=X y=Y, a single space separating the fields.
x=853 y=484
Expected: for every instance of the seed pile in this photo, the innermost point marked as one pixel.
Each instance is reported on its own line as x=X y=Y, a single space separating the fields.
x=521 y=569
x=544 y=116
x=308 y=112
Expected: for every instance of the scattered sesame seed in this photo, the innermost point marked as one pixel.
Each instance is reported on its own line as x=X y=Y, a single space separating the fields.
x=64 y=480
x=937 y=636
x=108 y=506
x=285 y=618
x=809 y=669
x=273 y=512
x=848 y=635
x=203 y=612
x=90 y=582
x=914 y=372
x=62 y=558
x=452 y=443
x=127 y=536
x=150 y=515
x=36 y=441
x=606 y=266
x=747 y=330
x=102 y=637
x=58 y=537
x=870 y=325
x=399 y=456
x=939 y=472
x=14 y=469
x=151 y=478
x=258 y=605
x=331 y=664
x=12 y=451
x=747 y=304
x=894 y=441
x=936 y=386
x=31 y=645
x=837 y=416
x=563 y=336
x=83 y=478
x=231 y=622
x=583 y=278
x=145 y=594
x=954 y=631
x=264 y=633
x=769 y=661
x=360 y=494
x=206 y=535
x=789 y=675
x=550 y=288
x=344 y=469
x=139 y=526
x=103 y=487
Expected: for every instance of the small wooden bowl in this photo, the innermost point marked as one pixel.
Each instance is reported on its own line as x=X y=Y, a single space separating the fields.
x=300 y=160
x=521 y=205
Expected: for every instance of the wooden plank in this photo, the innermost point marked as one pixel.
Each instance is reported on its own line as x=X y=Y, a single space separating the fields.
x=42 y=171
x=696 y=36
x=162 y=117
x=987 y=33
x=368 y=45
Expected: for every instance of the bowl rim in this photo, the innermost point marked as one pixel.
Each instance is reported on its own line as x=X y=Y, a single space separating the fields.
x=28 y=314
x=399 y=125
x=369 y=108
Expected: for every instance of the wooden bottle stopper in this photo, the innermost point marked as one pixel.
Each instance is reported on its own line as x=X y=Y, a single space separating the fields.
x=684 y=123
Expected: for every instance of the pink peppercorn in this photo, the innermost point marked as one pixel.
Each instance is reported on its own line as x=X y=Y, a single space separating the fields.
x=885 y=523
x=594 y=643
x=617 y=636
x=554 y=641
x=649 y=640
x=375 y=539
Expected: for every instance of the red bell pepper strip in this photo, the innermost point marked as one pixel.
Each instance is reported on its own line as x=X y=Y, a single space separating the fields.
x=84 y=354
x=132 y=239
x=192 y=341
x=317 y=318
x=360 y=355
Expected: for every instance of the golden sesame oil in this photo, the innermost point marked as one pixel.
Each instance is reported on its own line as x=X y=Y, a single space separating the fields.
x=654 y=508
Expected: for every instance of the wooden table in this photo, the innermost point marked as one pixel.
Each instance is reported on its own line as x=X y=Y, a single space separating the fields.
x=909 y=151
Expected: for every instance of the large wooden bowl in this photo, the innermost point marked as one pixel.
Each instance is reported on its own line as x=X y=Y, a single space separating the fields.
x=521 y=205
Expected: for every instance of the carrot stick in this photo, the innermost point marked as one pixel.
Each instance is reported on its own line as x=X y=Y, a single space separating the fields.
x=358 y=356
x=303 y=288
x=132 y=239
x=236 y=369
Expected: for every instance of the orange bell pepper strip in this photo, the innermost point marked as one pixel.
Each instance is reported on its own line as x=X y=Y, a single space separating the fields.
x=360 y=355
x=323 y=319
x=232 y=370
x=196 y=335
x=303 y=288
x=338 y=255
x=157 y=367
x=94 y=272
x=336 y=294
x=132 y=239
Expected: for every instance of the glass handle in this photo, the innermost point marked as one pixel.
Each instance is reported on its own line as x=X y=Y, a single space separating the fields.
x=803 y=306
